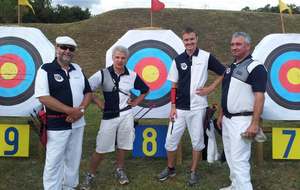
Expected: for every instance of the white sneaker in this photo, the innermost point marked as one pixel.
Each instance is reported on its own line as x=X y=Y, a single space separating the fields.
x=226 y=188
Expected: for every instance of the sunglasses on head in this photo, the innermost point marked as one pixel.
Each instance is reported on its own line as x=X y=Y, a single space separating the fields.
x=64 y=47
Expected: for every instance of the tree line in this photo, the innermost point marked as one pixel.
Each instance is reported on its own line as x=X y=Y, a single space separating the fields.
x=44 y=12
x=275 y=9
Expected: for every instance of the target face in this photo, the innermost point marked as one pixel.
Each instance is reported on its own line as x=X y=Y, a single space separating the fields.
x=283 y=65
x=19 y=61
x=151 y=53
x=151 y=60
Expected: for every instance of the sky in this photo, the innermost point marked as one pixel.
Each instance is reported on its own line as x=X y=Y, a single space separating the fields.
x=100 y=6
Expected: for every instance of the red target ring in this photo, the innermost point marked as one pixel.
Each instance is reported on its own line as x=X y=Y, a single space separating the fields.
x=287 y=71
x=12 y=68
x=153 y=71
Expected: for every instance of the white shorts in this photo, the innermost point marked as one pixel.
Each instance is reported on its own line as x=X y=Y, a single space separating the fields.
x=117 y=132
x=193 y=120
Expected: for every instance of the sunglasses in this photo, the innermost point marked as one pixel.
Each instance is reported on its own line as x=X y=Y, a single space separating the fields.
x=71 y=48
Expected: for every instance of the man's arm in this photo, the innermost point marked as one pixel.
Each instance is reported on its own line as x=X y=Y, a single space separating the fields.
x=257 y=111
x=58 y=106
x=86 y=100
x=137 y=100
x=98 y=102
x=204 y=91
x=219 y=120
x=173 y=112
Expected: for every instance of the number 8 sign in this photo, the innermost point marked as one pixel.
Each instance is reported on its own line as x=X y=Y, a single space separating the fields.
x=150 y=141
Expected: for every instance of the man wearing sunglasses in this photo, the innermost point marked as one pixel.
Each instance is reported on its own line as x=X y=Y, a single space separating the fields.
x=117 y=125
x=65 y=92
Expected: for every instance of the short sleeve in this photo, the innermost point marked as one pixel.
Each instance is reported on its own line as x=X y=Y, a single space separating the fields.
x=95 y=80
x=41 y=87
x=173 y=73
x=258 y=79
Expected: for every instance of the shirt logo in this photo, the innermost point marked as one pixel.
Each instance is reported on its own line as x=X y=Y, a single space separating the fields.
x=58 y=78
x=228 y=70
x=183 y=66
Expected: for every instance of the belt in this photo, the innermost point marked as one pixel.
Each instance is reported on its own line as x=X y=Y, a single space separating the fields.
x=230 y=115
x=56 y=116
x=126 y=108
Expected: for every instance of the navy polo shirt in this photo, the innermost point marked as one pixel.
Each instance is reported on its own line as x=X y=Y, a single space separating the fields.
x=237 y=95
x=67 y=86
x=191 y=73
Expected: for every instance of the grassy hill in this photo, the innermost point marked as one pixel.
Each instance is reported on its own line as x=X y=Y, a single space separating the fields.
x=94 y=37
x=97 y=34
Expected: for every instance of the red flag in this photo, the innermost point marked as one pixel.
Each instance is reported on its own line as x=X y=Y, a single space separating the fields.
x=156 y=5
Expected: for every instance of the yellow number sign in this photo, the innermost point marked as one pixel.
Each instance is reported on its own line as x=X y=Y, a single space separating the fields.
x=286 y=143
x=151 y=140
x=14 y=140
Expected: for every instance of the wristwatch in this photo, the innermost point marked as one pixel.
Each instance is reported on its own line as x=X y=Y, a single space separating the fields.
x=82 y=109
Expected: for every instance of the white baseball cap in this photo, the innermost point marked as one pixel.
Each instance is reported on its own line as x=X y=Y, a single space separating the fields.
x=65 y=40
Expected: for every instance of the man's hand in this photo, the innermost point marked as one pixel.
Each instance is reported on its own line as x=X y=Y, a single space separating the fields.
x=204 y=91
x=132 y=102
x=74 y=114
x=173 y=113
x=251 y=131
x=219 y=121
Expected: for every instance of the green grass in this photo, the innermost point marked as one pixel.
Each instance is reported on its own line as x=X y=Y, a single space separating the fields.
x=26 y=173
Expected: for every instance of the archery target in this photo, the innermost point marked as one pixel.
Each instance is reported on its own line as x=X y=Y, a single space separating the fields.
x=280 y=54
x=283 y=85
x=151 y=60
x=19 y=61
x=151 y=55
x=22 y=51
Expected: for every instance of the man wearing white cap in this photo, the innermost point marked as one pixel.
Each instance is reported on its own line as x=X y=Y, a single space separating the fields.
x=64 y=90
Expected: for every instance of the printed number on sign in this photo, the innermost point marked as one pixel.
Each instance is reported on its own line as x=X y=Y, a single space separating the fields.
x=149 y=140
x=292 y=133
x=12 y=139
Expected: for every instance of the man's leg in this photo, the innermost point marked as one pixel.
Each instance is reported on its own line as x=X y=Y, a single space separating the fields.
x=95 y=161
x=194 y=121
x=171 y=155
x=72 y=158
x=195 y=160
x=195 y=128
x=53 y=171
x=120 y=158
x=226 y=137
x=240 y=153
x=174 y=134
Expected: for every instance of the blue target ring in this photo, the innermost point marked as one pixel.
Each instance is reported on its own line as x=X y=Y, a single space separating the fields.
x=32 y=60
x=279 y=58
x=274 y=76
x=148 y=52
x=30 y=68
x=161 y=51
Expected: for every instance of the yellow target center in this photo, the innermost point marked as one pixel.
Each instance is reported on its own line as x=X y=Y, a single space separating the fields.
x=8 y=71
x=150 y=73
x=293 y=76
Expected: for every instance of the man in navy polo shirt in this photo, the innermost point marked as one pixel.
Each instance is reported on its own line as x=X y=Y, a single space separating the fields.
x=188 y=74
x=243 y=90
x=65 y=92
x=117 y=125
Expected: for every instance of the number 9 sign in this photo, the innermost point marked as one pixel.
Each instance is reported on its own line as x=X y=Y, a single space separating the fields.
x=14 y=140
